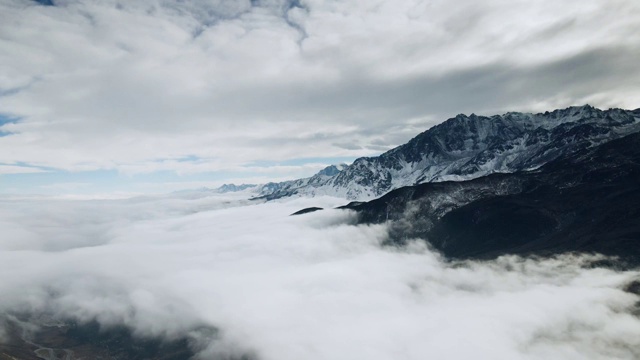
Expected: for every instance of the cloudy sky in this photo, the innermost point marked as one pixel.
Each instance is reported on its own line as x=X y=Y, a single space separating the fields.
x=149 y=96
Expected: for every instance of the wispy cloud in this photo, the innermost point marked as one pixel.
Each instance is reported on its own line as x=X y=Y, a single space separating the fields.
x=16 y=169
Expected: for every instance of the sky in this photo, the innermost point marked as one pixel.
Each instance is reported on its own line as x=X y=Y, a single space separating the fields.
x=113 y=98
x=238 y=277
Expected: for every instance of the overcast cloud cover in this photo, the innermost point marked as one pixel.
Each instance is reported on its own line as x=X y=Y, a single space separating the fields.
x=307 y=287
x=230 y=88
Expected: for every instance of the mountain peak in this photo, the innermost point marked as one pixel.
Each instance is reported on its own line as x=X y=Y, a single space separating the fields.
x=467 y=147
x=332 y=170
x=225 y=188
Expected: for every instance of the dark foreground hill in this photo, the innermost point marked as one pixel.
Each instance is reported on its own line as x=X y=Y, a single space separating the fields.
x=35 y=340
x=588 y=201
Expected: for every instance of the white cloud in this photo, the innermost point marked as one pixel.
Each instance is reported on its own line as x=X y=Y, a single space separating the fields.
x=15 y=169
x=111 y=84
x=310 y=287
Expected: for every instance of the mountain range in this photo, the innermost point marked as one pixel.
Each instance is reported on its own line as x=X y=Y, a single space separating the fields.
x=587 y=202
x=525 y=184
x=464 y=148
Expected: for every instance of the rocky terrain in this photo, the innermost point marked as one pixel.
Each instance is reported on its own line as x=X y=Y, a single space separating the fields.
x=586 y=201
x=28 y=338
x=464 y=148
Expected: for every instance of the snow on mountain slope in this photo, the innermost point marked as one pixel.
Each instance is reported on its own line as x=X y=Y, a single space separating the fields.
x=467 y=147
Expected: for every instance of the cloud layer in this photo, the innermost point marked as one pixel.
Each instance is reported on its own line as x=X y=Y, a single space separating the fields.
x=140 y=86
x=311 y=286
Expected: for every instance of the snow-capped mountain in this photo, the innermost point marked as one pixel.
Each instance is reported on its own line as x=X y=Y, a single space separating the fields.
x=587 y=201
x=226 y=188
x=467 y=147
x=311 y=186
x=206 y=191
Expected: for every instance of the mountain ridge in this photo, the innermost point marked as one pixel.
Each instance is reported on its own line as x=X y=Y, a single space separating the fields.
x=587 y=201
x=467 y=147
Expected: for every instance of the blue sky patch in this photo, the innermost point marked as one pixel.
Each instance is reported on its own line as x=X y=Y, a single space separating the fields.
x=45 y=2
x=7 y=119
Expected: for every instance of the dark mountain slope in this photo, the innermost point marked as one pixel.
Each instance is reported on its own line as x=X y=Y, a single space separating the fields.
x=588 y=201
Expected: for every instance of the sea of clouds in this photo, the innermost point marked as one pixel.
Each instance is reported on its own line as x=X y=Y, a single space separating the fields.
x=310 y=287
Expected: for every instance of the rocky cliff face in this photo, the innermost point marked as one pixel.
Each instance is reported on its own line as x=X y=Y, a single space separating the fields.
x=468 y=147
x=587 y=201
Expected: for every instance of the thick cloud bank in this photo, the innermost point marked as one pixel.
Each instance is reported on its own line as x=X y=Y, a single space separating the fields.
x=302 y=287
